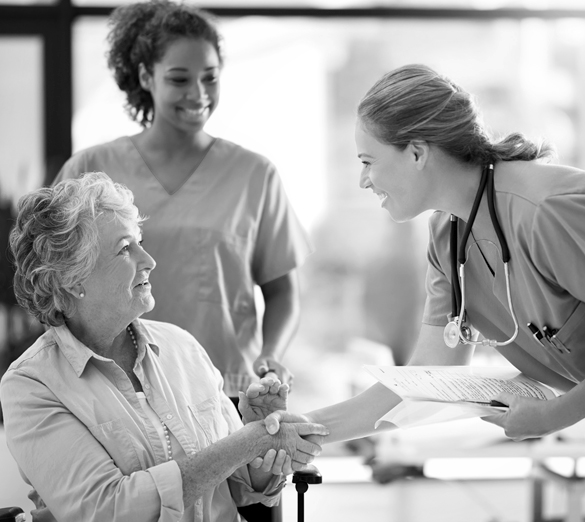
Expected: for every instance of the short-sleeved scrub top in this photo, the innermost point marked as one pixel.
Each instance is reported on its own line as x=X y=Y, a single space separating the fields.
x=228 y=228
x=541 y=209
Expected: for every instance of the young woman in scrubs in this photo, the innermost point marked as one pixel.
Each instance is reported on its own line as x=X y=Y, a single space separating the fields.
x=219 y=220
x=423 y=146
x=220 y=223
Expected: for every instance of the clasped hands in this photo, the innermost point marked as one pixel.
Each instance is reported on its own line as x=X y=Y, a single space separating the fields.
x=295 y=443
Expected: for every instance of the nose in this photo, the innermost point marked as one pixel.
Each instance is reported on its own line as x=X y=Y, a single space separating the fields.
x=198 y=91
x=364 y=179
x=147 y=262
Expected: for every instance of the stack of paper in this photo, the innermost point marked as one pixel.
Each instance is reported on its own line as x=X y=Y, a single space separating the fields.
x=441 y=393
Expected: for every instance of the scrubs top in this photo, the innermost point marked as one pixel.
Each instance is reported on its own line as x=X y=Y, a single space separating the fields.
x=228 y=228
x=541 y=210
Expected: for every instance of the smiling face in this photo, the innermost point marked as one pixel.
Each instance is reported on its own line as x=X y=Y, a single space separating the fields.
x=392 y=174
x=184 y=85
x=117 y=291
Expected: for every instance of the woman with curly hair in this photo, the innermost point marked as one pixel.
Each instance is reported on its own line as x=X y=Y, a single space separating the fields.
x=221 y=222
x=113 y=417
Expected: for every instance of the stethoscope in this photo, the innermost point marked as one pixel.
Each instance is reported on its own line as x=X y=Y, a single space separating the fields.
x=456 y=331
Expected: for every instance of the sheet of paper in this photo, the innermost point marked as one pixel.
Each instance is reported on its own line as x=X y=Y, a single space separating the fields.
x=457 y=383
x=414 y=413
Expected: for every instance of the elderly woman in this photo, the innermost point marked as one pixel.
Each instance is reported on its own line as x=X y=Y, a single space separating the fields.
x=114 y=418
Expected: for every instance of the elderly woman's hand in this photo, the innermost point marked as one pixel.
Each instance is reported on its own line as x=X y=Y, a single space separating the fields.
x=275 y=462
x=301 y=441
x=291 y=449
x=274 y=420
x=263 y=398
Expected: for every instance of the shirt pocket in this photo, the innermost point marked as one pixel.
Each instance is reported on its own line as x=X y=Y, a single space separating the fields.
x=571 y=336
x=117 y=441
x=209 y=419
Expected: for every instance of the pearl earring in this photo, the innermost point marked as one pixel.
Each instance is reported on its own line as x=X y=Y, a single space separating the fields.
x=81 y=295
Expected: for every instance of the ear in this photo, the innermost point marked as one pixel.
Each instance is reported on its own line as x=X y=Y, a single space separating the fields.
x=144 y=77
x=419 y=150
x=77 y=291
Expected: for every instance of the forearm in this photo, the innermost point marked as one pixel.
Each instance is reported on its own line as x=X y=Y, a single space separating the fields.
x=281 y=315
x=211 y=466
x=568 y=409
x=357 y=416
x=207 y=468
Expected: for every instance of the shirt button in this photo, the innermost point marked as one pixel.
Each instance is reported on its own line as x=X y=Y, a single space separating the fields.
x=169 y=416
x=147 y=386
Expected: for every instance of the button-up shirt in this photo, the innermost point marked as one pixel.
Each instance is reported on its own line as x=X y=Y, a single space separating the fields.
x=77 y=431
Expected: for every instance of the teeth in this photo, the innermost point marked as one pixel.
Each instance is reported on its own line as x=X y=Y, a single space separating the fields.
x=196 y=112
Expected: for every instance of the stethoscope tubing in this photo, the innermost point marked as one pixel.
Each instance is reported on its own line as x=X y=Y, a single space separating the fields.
x=458 y=276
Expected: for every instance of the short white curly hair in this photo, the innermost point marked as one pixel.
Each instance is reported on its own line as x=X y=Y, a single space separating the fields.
x=55 y=241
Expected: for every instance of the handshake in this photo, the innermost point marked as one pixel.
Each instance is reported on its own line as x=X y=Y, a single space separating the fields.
x=292 y=440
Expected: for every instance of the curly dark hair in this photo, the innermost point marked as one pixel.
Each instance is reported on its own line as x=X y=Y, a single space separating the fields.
x=141 y=33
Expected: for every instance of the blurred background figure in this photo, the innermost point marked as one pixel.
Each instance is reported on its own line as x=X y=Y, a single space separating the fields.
x=394 y=293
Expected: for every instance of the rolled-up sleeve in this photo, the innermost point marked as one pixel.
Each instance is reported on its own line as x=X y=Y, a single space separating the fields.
x=71 y=470
x=243 y=494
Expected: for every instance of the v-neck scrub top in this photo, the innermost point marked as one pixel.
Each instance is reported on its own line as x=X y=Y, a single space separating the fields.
x=542 y=213
x=229 y=227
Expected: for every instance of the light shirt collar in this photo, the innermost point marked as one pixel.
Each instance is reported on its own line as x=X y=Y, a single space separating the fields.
x=78 y=354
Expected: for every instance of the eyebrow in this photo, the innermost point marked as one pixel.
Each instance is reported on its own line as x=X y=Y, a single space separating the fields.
x=128 y=237
x=185 y=69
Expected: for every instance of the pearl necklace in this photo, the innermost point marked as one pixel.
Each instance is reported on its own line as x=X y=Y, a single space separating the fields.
x=164 y=426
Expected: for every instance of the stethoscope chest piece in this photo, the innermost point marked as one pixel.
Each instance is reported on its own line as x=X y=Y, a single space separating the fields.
x=452 y=335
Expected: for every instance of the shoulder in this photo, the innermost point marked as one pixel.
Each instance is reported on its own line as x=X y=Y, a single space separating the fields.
x=161 y=330
x=96 y=158
x=37 y=358
x=179 y=351
x=537 y=183
x=243 y=156
x=173 y=340
x=439 y=225
x=534 y=196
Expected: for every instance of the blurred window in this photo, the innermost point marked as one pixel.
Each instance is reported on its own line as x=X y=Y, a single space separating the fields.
x=290 y=89
x=21 y=106
x=21 y=170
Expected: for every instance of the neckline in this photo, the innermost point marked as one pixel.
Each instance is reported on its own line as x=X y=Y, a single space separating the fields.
x=197 y=167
